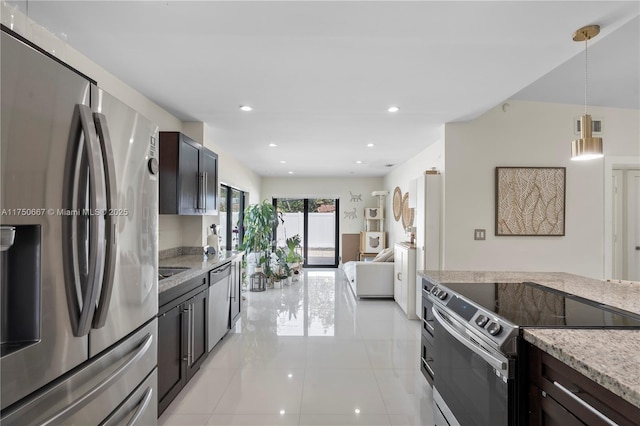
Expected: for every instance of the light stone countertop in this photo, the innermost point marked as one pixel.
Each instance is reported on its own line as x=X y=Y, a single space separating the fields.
x=610 y=358
x=197 y=265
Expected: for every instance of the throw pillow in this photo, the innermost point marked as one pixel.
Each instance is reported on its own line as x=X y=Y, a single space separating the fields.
x=384 y=255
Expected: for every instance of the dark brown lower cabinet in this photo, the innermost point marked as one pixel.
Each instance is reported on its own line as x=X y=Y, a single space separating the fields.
x=560 y=395
x=171 y=374
x=197 y=326
x=182 y=340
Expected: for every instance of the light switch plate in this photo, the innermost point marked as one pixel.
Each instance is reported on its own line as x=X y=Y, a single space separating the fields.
x=479 y=234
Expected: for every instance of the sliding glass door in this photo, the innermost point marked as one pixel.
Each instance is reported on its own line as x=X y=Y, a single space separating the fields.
x=230 y=210
x=316 y=221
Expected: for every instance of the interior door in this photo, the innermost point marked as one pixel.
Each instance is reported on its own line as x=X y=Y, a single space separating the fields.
x=618 y=224
x=633 y=225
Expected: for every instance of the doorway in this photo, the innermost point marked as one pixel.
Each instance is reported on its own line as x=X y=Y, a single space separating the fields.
x=626 y=224
x=316 y=221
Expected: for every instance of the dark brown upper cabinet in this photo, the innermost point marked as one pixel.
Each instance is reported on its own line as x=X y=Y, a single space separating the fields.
x=188 y=176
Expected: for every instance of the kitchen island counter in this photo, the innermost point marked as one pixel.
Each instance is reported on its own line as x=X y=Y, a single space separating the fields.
x=610 y=358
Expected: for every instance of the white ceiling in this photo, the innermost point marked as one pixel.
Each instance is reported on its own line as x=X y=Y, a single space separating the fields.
x=320 y=75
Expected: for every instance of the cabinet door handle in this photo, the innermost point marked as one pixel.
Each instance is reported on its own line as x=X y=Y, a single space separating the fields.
x=399 y=276
x=193 y=334
x=206 y=175
x=198 y=197
x=580 y=401
x=188 y=312
x=185 y=312
x=204 y=191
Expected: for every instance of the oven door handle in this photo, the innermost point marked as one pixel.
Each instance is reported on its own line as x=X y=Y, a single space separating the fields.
x=496 y=363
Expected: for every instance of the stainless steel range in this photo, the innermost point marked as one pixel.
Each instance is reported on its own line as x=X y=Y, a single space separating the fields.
x=477 y=342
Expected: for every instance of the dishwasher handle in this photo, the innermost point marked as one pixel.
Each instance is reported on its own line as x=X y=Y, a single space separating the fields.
x=219 y=274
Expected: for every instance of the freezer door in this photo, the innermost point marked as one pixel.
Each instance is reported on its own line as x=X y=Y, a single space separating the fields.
x=39 y=99
x=141 y=408
x=129 y=295
x=96 y=391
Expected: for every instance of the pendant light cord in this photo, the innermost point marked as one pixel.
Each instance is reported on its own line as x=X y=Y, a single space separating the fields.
x=586 y=76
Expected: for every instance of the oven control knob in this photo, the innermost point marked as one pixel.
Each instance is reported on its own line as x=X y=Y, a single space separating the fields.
x=435 y=291
x=494 y=329
x=443 y=295
x=482 y=320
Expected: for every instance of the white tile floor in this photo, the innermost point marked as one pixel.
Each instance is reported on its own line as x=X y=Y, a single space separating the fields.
x=310 y=354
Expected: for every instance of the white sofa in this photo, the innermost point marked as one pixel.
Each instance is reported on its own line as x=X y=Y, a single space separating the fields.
x=370 y=279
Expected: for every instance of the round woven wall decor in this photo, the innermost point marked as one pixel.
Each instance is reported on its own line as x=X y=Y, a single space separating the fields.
x=407 y=212
x=397 y=203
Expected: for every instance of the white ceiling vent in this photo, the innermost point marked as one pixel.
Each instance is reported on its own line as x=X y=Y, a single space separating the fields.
x=596 y=126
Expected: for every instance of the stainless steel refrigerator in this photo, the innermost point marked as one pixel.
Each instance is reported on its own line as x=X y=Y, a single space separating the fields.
x=79 y=281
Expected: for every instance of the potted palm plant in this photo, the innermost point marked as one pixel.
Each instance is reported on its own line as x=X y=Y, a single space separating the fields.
x=293 y=258
x=259 y=222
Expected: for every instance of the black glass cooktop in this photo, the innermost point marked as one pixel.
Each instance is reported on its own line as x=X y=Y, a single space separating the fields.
x=533 y=305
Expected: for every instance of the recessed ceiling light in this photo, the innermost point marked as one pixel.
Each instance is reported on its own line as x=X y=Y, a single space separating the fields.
x=282 y=411
x=290 y=172
x=272 y=145
x=357 y=411
x=246 y=108
x=393 y=109
x=358 y=162
x=283 y=162
x=370 y=145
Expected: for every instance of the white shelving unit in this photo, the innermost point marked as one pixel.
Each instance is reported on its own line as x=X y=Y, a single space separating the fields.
x=373 y=238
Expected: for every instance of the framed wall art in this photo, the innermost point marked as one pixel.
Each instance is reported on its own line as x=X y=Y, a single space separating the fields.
x=530 y=201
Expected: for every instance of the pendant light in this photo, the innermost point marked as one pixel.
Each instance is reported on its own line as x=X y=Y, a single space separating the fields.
x=587 y=147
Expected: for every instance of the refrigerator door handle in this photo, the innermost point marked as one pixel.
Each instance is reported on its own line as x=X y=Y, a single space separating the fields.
x=142 y=407
x=74 y=190
x=95 y=391
x=117 y=417
x=111 y=220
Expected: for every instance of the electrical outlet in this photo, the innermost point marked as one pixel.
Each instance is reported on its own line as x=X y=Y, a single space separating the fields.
x=479 y=234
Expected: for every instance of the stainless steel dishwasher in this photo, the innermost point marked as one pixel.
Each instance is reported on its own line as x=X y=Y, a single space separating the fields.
x=219 y=303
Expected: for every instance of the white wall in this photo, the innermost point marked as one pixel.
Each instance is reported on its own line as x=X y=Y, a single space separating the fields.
x=404 y=175
x=40 y=36
x=338 y=187
x=529 y=134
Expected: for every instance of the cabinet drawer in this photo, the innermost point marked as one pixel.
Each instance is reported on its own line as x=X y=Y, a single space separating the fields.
x=582 y=397
x=546 y=411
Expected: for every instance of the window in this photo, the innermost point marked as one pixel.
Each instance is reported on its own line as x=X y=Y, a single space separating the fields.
x=231 y=208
